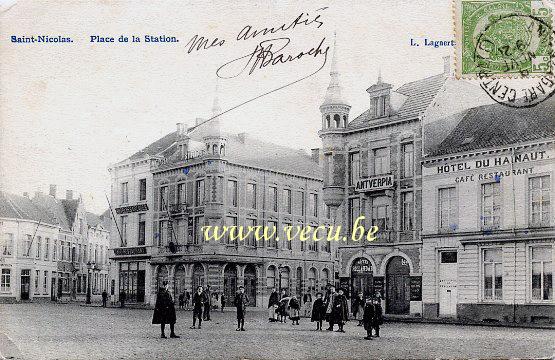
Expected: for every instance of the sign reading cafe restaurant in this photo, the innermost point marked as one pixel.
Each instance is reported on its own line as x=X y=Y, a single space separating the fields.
x=375 y=183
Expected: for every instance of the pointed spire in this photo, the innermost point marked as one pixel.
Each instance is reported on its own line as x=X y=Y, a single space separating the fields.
x=216 y=109
x=333 y=93
x=379 y=75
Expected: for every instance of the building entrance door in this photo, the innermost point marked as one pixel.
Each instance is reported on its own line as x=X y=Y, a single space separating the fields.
x=141 y=286
x=250 y=284
x=447 y=283
x=53 y=289
x=362 y=278
x=398 y=286
x=25 y=284
x=230 y=281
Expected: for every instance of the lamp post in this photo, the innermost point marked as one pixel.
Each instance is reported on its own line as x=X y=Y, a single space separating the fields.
x=89 y=267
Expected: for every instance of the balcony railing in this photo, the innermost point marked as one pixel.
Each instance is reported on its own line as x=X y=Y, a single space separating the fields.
x=178 y=208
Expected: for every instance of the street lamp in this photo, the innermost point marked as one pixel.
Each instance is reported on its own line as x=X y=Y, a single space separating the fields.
x=89 y=267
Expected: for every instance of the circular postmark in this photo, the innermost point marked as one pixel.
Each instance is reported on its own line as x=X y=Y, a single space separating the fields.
x=518 y=46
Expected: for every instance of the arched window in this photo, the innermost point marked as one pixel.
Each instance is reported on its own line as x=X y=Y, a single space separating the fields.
x=328 y=121
x=285 y=274
x=337 y=120
x=215 y=149
x=271 y=277
x=222 y=150
x=325 y=278
x=344 y=120
x=207 y=147
x=312 y=280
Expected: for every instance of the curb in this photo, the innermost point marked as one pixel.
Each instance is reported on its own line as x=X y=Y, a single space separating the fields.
x=470 y=323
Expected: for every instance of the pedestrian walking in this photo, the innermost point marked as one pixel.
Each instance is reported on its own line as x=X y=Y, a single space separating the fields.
x=378 y=316
x=122 y=296
x=241 y=301
x=164 y=311
x=222 y=301
x=318 y=311
x=207 y=304
x=358 y=308
x=198 y=304
x=104 y=298
x=330 y=299
x=340 y=312
x=181 y=300
x=273 y=305
x=294 y=310
x=368 y=318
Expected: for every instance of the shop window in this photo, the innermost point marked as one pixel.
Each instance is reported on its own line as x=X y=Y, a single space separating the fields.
x=493 y=274
x=542 y=273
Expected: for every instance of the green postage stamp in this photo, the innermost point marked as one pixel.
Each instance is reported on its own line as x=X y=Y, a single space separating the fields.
x=503 y=38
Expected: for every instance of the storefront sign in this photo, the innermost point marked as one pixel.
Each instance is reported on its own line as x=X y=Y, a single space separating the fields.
x=132 y=209
x=362 y=266
x=375 y=183
x=492 y=162
x=416 y=288
x=130 y=251
x=379 y=286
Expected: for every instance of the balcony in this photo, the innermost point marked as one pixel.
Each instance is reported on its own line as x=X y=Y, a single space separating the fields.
x=179 y=249
x=178 y=209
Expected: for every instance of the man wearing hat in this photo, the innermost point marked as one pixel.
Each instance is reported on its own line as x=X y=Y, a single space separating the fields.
x=241 y=301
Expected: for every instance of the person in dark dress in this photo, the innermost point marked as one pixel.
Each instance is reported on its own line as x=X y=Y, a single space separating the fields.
x=340 y=312
x=330 y=299
x=181 y=300
x=198 y=303
x=241 y=301
x=207 y=304
x=164 y=311
x=318 y=311
x=294 y=310
x=104 y=298
x=273 y=304
x=122 y=296
x=378 y=316
x=358 y=308
x=368 y=318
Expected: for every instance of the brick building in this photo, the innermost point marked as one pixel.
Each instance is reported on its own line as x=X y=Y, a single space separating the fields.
x=488 y=240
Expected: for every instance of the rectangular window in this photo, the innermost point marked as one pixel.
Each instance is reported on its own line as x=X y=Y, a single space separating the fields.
x=493 y=274
x=124 y=223
x=407 y=203
x=447 y=209
x=38 y=246
x=491 y=205
x=37 y=281
x=124 y=193
x=5 y=280
x=7 y=244
x=380 y=212
x=27 y=244
x=303 y=243
x=448 y=257
x=231 y=221
x=199 y=223
x=314 y=204
x=272 y=198
x=284 y=237
x=199 y=193
x=354 y=211
x=272 y=230
x=327 y=246
x=407 y=151
x=354 y=167
x=374 y=106
x=163 y=235
x=539 y=196
x=181 y=231
x=232 y=192
x=251 y=196
x=55 y=250
x=542 y=273
x=251 y=241
x=381 y=161
x=142 y=189
x=142 y=229
x=46 y=249
x=300 y=206
x=181 y=195
x=45 y=283
x=287 y=200
x=164 y=198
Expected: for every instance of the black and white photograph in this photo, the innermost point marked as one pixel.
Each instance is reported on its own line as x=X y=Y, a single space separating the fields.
x=264 y=179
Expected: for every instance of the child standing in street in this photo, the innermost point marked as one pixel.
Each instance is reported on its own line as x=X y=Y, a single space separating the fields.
x=318 y=311
x=378 y=316
x=368 y=318
x=294 y=310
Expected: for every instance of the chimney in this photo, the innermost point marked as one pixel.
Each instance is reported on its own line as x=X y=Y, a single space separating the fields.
x=69 y=194
x=447 y=65
x=242 y=136
x=52 y=191
x=315 y=155
x=26 y=194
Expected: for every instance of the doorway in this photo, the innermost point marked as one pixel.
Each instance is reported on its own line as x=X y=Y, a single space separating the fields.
x=447 y=283
x=250 y=284
x=25 y=284
x=398 y=286
x=362 y=278
x=230 y=281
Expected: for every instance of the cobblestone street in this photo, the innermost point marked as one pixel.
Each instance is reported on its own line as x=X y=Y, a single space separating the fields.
x=51 y=331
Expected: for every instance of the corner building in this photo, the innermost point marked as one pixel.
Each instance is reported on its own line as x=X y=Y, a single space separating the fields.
x=202 y=176
x=371 y=168
x=489 y=234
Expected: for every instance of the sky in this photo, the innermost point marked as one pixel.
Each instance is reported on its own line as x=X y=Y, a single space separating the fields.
x=69 y=110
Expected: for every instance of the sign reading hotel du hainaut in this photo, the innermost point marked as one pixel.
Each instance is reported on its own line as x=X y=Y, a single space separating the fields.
x=131 y=209
x=375 y=183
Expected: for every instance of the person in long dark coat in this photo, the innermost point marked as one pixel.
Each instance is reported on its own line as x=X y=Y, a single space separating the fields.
x=318 y=311
x=340 y=312
x=273 y=304
x=198 y=303
x=294 y=310
x=358 y=308
x=164 y=311
x=222 y=301
x=378 y=316
x=207 y=304
x=368 y=318
x=241 y=301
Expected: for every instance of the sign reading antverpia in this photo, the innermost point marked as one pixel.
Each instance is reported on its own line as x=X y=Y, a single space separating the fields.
x=375 y=183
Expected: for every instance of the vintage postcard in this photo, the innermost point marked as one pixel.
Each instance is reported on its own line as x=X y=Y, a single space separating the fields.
x=267 y=179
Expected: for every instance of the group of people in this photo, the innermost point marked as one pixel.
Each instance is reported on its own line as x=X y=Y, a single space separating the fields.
x=332 y=308
x=164 y=309
x=212 y=301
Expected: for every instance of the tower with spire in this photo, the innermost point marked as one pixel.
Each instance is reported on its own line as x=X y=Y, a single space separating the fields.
x=214 y=140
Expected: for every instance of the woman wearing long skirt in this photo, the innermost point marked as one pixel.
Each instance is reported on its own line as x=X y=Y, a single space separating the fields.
x=294 y=310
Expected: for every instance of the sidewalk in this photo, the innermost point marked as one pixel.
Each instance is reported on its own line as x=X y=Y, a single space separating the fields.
x=450 y=321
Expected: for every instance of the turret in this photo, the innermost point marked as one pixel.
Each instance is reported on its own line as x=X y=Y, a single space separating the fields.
x=214 y=140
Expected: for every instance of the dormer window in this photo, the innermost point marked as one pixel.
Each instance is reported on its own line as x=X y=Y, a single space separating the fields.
x=379 y=105
x=337 y=120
